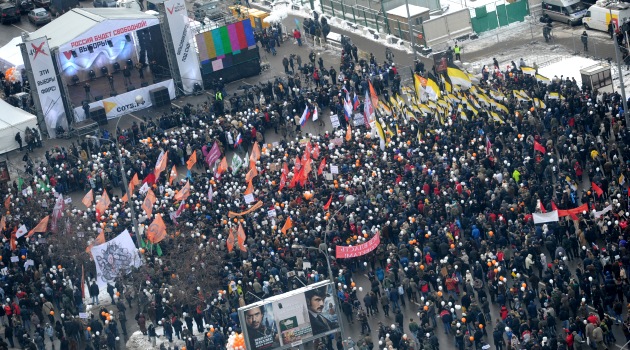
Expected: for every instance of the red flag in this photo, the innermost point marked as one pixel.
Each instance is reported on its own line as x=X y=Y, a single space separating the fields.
x=296 y=178
x=241 y=238
x=316 y=151
x=322 y=165
x=328 y=203
x=542 y=207
x=283 y=181
x=183 y=193
x=157 y=230
x=41 y=227
x=305 y=172
x=192 y=160
x=88 y=199
x=554 y=206
x=297 y=164
x=13 y=241
x=539 y=147
x=230 y=241
x=597 y=189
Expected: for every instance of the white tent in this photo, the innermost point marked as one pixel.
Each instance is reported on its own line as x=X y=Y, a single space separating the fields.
x=12 y=120
x=10 y=55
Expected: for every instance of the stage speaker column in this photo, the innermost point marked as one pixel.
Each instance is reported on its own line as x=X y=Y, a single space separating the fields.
x=182 y=57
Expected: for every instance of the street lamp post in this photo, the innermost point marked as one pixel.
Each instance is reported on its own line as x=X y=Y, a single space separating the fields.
x=134 y=220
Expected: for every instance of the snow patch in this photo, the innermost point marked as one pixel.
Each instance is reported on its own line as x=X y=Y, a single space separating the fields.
x=569 y=67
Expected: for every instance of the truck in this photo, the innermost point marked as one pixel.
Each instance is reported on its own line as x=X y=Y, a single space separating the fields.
x=603 y=12
x=59 y=7
x=570 y=12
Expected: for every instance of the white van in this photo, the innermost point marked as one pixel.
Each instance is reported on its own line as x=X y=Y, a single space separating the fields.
x=565 y=11
x=599 y=15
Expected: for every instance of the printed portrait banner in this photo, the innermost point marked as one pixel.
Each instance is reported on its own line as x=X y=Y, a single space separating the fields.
x=260 y=327
x=46 y=84
x=185 y=53
x=345 y=252
x=115 y=257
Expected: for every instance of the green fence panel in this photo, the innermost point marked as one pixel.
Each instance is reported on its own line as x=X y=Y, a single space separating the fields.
x=484 y=20
x=502 y=15
x=517 y=11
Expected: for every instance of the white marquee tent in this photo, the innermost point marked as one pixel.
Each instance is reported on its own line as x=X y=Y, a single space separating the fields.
x=12 y=120
x=10 y=55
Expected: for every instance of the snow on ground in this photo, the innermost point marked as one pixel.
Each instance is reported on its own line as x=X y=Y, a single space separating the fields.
x=103 y=299
x=138 y=341
x=569 y=67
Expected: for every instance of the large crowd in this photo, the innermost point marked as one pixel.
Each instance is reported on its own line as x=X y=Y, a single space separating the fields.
x=452 y=196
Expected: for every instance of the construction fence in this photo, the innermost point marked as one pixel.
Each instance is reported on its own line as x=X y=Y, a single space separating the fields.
x=498 y=14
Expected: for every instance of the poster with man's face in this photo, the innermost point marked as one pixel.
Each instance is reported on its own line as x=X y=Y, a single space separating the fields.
x=261 y=327
x=321 y=309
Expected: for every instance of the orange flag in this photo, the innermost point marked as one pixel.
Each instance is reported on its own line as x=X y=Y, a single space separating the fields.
x=373 y=95
x=124 y=198
x=157 y=230
x=255 y=156
x=223 y=166
x=192 y=160
x=321 y=167
x=135 y=181
x=13 y=241
x=230 y=241
x=241 y=238
x=88 y=199
x=161 y=163
x=183 y=193
x=306 y=172
x=7 y=202
x=251 y=174
x=100 y=239
x=173 y=175
x=349 y=133
x=103 y=203
x=41 y=227
x=250 y=188
x=148 y=202
x=287 y=225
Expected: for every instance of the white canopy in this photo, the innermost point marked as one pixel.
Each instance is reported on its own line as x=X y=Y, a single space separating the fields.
x=89 y=25
x=10 y=55
x=12 y=120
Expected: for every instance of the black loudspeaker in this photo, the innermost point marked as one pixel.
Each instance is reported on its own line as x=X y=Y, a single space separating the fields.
x=130 y=87
x=113 y=93
x=98 y=115
x=160 y=97
x=144 y=84
x=98 y=98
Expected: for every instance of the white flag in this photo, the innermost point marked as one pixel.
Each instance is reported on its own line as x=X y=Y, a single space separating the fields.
x=540 y=218
x=21 y=231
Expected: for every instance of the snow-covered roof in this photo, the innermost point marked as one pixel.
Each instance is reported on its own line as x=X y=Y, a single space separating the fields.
x=83 y=20
x=401 y=11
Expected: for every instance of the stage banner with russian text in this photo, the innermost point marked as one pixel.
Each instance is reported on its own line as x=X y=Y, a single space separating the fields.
x=345 y=252
x=46 y=84
x=187 y=60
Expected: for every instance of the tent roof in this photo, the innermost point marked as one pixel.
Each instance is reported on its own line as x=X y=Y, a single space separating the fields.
x=10 y=54
x=12 y=120
x=81 y=20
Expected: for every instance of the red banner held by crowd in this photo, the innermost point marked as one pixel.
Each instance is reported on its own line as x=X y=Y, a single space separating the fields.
x=346 y=252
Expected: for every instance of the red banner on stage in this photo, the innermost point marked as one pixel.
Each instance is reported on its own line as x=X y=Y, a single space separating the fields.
x=345 y=252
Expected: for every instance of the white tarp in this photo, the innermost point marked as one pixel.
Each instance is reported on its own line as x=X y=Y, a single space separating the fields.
x=12 y=120
x=541 y=218
x=46 y=84
x=187 y=60
x=11 y=56
x=126 y=103
x=115 y=257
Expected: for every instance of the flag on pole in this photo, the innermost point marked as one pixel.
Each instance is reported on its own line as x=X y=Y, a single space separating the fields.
x=321 y=167
x=21 y=231
x=239 y=140
x=305 y=115
x=230 y=241
x=182 y=194
x=157 y=230
x=192 y=160
x=160 y=164
x=240 y=236
x=348 y=133
x=210 y=193
x=287 y=226
x=148 y=202
x=173 y=175
x=7 y=202
x=102 y=204
x=538 y=147
x=41 y=227
x=597 y=189
x=327 y=205
x=88 y=199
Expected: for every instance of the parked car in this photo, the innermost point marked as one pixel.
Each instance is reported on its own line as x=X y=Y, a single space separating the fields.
x=44 y=4
x=24 y=5
x=39 y=17
x=9 y=13
x=104 y=3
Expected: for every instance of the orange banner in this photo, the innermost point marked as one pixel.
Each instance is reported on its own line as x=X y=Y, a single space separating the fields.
x=256 y=206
